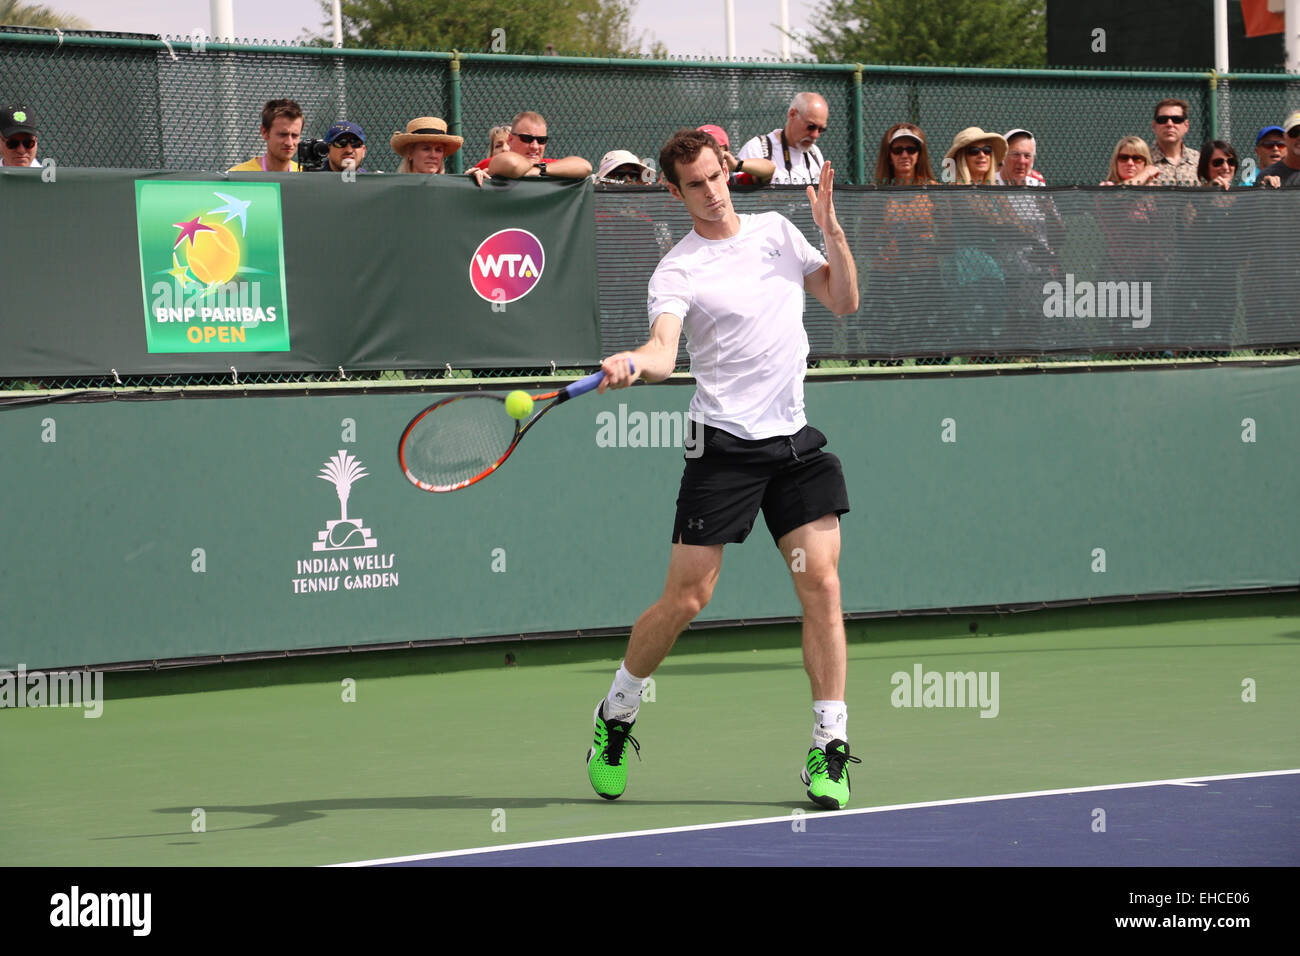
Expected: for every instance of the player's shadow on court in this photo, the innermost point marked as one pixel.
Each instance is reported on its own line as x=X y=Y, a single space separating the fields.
x=305 y=811
x=688 y=668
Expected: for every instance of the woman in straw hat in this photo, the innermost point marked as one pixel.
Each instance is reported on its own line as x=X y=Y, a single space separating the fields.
x=976 y=156
x=425 y=145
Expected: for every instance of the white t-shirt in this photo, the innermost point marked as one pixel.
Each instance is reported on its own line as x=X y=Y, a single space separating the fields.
x=805 y=166
x=1032 y=178
x=741 y=303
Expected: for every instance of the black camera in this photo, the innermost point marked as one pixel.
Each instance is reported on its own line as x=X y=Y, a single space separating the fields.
x=313 y=155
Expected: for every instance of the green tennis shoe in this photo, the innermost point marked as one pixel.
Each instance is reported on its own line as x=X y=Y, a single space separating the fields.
x=826 y=775
x=607 y=758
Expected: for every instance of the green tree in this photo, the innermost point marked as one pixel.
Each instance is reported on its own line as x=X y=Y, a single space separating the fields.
x=590 y=27
x=15 y=14
x=971 y=33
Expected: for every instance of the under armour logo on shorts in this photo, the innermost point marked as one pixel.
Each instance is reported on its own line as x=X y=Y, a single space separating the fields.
x=695 y=524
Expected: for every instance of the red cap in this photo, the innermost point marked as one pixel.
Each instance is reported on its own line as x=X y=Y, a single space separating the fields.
x=718 y=133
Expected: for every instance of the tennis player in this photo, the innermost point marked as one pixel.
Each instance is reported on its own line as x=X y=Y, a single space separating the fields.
x=737 y=283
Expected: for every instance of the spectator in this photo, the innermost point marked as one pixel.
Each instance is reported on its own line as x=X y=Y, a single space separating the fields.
x=498 y=140
x=906 y=237
x=1286 y=171
x=619 y=166
x=18 y=137
x=1270 y=146
x=903 y=159
x=745 y=173
x=1130 y=164
x=1209 y=297
x=1018 y=167
x=347 y=145
x=792 y=149
x=281 y=129
x=1217 y=165
x=1027 y=252
x=1175 y=164
x=1138 y=240
x=976 y=155
x=425 y=145
x=526 y=155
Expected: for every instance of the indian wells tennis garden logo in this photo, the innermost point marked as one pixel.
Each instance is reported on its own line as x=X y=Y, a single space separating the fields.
x=507 y=265
x=333 y=566
x=212 y=266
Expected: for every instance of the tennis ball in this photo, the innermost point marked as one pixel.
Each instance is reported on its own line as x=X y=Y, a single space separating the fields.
x=214 y=255
x=519 y=405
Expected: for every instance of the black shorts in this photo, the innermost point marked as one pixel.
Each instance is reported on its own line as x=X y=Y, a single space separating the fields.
x=789 y=477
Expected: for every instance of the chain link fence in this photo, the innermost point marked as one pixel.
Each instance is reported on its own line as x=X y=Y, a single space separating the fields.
x=141 y=102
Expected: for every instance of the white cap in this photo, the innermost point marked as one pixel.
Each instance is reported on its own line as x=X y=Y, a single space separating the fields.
x=909 y=133
x=621 y=157
x=1017 y=132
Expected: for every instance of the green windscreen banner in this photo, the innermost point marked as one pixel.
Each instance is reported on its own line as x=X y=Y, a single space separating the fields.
x=155 y=273
x=155 y=529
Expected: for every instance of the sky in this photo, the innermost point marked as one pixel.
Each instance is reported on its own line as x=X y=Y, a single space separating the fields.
x=688 y=27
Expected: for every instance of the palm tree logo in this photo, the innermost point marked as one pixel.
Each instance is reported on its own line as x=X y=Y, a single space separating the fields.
x=343 y=533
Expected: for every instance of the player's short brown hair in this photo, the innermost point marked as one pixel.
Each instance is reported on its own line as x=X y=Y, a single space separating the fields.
x=274 y=109
x=685 y=146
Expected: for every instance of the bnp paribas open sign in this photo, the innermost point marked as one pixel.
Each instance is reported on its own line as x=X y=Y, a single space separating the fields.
x=212 y=266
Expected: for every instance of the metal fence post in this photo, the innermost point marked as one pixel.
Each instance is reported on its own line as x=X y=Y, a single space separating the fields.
x=859 y=127
x=453 y=121
x=1214 y=105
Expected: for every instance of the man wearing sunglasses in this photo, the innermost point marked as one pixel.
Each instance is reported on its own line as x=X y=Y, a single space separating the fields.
x=1286 y=171
x=17 y=137
x=1176 y=163
x=793 y=147
x=347 y=145
x=1270 y=146
x=525 y=155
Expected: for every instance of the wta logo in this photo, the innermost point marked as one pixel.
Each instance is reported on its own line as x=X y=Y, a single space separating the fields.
x=507 y=265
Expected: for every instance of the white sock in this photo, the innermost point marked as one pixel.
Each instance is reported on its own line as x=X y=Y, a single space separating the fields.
x=832 y=722
x=624 y=698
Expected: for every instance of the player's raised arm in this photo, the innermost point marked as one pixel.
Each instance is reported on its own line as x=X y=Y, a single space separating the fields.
x=836 y=284
x=653 y=361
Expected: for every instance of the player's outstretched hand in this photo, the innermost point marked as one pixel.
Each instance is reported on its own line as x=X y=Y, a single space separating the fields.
x=618 y=370
x=822 y=201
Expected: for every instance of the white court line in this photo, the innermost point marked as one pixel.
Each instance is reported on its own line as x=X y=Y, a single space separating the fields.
x=785 y=818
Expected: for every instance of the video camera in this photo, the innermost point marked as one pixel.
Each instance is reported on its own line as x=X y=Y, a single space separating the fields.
x=313 y=155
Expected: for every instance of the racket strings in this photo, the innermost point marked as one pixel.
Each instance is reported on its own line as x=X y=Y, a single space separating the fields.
x=458 y=440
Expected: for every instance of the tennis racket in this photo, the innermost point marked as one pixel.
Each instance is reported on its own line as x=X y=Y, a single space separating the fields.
x=459 y=441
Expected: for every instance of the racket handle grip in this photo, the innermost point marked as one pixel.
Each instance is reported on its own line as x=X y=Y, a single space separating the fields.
x=585 y=385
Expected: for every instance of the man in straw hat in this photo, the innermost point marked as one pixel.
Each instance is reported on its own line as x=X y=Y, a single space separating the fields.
x=425 y=145
x=526 y=155
x=975 y=157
